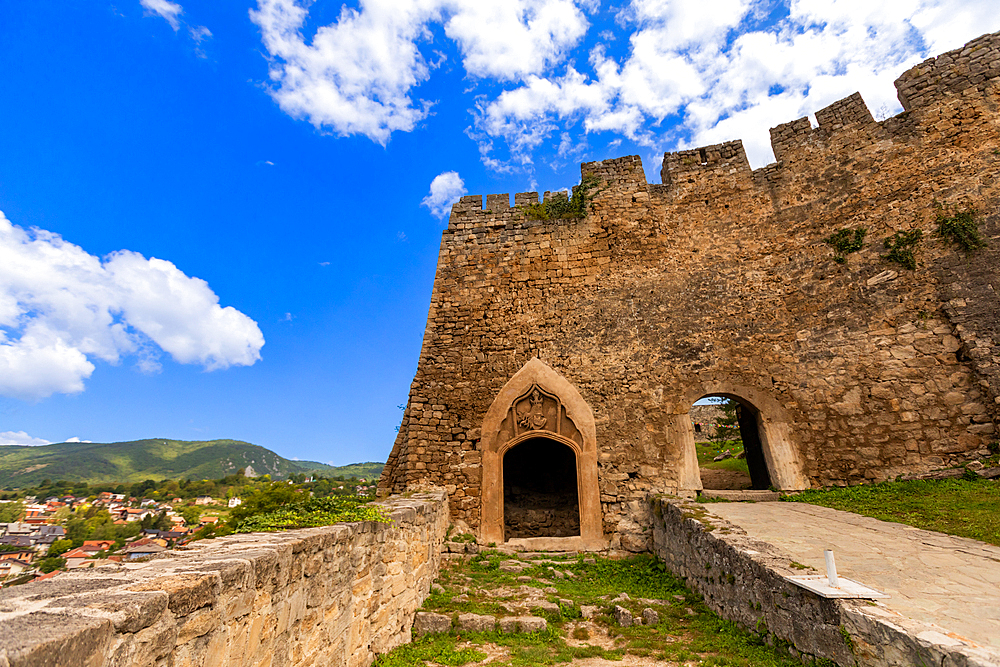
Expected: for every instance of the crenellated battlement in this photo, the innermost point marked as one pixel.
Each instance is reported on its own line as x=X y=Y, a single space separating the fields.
x=695 y=166
x=843 y=127
x=974 y=65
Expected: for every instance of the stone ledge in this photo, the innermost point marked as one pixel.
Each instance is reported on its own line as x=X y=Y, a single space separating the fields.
x=347 y=591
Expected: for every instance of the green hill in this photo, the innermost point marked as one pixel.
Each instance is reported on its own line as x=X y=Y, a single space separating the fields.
x=157 y=459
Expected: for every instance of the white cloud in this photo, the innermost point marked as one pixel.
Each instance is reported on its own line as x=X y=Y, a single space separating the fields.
x=446 y=188
x=170 y=11
x=356 y=75
x=76 y=439
x=61 y=308
x=693 y=72
x=20 y=438
x=510 y=39
x=199 y=33
x=708 y=66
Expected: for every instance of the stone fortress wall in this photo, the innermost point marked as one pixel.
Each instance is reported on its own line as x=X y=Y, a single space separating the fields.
x=718 y=281
x=335 y=595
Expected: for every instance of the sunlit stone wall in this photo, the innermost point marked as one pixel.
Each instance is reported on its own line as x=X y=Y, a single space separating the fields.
x=336 y=595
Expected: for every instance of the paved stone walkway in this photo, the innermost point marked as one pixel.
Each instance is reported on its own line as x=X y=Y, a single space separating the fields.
x=951 y=582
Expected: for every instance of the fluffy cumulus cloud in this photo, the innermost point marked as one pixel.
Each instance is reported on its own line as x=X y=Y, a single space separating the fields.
x=446 y=188
x=357 y=75
x=20 y=438
x=691 y=72
x=61 y=308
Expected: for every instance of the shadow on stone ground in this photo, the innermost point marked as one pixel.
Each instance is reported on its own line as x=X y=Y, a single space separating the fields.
x=502 y=609
x=724 y=480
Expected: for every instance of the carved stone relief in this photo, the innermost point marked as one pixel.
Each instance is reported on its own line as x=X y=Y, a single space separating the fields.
x=538 y=410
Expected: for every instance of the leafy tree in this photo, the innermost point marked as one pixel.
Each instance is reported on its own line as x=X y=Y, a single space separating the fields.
x=191 y=514
x=139 y=489
x=156 y=521
x=265 y=500
x=47 y=565
x=11 y=512
x=59 y=547
x=728 y=427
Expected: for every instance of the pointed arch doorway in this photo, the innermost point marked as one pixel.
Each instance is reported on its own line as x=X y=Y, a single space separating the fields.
x=540 y=462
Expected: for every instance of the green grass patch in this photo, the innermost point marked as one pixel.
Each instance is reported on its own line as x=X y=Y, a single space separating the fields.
x=687 y=630
x=439 y=649
x=967 y=508
x=707 y=451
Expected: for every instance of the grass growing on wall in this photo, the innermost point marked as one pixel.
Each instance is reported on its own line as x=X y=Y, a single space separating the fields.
x=967 y=508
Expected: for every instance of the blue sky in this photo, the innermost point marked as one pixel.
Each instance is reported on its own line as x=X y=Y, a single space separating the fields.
x=221 y=220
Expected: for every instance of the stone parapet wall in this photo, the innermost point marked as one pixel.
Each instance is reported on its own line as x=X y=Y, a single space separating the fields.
x=335 y=595
x=742 y=580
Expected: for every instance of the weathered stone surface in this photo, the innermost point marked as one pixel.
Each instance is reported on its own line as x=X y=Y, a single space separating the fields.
x=717 y=281
x=650 y=617
x=546 y=606
x=589 y=611
x=428 y=622
x=55 y=639
x=523 y=624
x=623 y=616
x=336 y=594
x=476 y=622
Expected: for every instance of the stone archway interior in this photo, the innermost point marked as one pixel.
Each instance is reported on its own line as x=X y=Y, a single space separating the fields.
x=748 y=419
x=540 y=490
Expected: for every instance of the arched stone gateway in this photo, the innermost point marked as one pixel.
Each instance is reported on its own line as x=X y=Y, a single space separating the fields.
x=771 y=439
x=542 y=431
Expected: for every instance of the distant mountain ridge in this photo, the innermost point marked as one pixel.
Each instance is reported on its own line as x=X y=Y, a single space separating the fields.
x=156 y=458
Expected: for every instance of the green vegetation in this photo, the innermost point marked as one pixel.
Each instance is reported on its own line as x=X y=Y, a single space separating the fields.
x=961 y=228
x=147 y=461
x=687 y=632
x=311 y=512
x=963 y=507
x=437 y=649
x=51 y=563
x=728 y=427
x=707 y=451
x=900 y=246
x=11 y=511
x=59 y=547
x=845 y=241
x=559 y=206
x=95 y=523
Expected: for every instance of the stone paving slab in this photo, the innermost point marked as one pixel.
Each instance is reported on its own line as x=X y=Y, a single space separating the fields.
x=951 y=582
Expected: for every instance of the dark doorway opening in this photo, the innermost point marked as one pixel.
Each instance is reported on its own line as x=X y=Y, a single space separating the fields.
x=539 y=490
x=760 y=478
x=730 y=452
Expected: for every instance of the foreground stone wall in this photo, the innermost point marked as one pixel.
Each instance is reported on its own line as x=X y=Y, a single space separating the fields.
x=336 y=595
x=742 y=580
x=718 y=281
